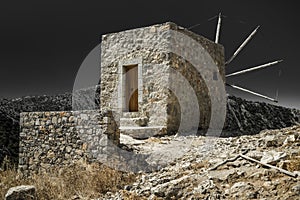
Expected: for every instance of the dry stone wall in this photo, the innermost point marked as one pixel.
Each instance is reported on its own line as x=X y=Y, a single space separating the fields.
x=10 y=110
x=50 y=139
x=247 y=117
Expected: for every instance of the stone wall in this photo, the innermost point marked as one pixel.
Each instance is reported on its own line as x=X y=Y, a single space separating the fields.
x=247 y=117
x=10 y=110
x=50 y=139
x=195 y=78
x=199 y=87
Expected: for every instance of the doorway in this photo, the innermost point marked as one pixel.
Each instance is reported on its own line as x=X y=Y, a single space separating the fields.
x=131 y=88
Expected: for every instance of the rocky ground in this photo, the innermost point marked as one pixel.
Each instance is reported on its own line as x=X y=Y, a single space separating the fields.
x=201 y=172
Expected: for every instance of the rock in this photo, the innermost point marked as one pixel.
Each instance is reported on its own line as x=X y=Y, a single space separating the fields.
x=84 y=116
x=271 y=141
x=290 y=138
x=257 y=155
x=272 y=157
x=297 y=173
x=188 y=176
x=127 y=187
x=296 y=189
x=254 y=117
x=128 y=140
x=205 y=186
x=267 y=184
x=50 y=154
x=239 y=188
x=37 y=122
x=284 y=164
x=23 y=192
x=75 y=197
x=54 y=120
x=222 y=174
x=72 y=119
x=252 y=195
x=68 y=149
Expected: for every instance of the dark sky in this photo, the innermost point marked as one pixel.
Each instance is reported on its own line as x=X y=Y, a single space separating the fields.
x=43 y=43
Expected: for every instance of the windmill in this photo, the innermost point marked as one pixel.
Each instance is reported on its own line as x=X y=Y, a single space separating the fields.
x=239 y=49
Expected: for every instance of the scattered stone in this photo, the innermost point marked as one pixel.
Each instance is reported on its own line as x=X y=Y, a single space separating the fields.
x=188 y=177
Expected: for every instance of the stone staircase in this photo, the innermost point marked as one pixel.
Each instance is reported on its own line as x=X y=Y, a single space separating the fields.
x=137 y=127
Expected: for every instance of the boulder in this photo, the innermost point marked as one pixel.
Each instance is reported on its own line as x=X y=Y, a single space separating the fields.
x=23 y=192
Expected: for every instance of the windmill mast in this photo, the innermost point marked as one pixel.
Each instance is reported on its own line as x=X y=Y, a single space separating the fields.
x=251 y=92
x=254 y=68
x=218 y=28
x=242 y=46
x=239 y=49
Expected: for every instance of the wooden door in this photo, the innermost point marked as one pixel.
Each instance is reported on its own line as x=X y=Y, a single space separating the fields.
x=131 y=88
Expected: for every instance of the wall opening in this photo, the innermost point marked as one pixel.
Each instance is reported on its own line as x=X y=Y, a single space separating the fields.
x=131 y=88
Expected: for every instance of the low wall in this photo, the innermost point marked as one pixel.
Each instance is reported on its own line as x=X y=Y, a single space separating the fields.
x=59 y=138
x=247 y=117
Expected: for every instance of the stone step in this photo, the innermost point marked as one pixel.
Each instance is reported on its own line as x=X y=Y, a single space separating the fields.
x=143 y=132
x=130 y=114
x=132 y=122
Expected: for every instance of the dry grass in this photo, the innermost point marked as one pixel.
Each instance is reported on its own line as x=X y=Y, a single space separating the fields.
x=83 y=181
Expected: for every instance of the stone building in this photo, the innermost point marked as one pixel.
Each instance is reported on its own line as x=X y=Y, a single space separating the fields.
x=136 y=78
x=140 y=72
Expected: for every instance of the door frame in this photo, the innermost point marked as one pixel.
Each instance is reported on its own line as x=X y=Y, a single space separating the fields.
x=122 y=78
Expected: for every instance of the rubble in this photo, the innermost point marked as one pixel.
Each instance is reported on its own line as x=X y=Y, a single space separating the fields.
x=221 y=170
